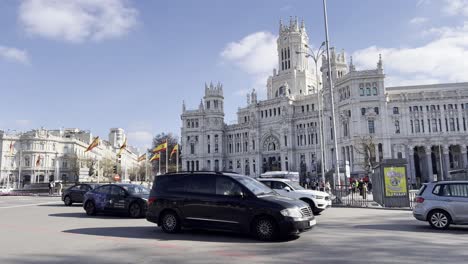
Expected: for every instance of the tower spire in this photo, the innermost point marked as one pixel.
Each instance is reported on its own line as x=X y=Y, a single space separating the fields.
x=351 y=65
x=380 y=63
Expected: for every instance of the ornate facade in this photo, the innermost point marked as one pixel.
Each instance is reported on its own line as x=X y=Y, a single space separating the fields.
x=40 y=155
x=425 y=124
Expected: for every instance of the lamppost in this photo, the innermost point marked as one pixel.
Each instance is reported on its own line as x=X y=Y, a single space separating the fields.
x=330 y=79
x=315 y=55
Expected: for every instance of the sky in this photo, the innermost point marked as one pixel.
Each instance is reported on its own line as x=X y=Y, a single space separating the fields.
x=99 y=64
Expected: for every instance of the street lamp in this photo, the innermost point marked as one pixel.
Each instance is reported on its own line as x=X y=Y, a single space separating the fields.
x=330 y=79
x=315 y=55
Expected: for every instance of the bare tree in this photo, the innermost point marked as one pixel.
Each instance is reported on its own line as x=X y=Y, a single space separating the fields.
x=171 y=142
x=366 y=148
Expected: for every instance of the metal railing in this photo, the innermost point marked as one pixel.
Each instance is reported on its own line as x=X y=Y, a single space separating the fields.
x=345 y=195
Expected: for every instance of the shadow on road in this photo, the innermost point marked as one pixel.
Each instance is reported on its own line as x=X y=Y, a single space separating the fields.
x=61 y=205
x=405 y=227
x=152 y=232
x=84 y=215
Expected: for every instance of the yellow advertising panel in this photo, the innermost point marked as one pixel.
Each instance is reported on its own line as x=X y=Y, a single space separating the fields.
x=395 y=181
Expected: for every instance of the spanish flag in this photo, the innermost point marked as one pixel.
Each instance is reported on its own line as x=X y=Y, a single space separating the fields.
x=156 y=156
x=38 y=161
x=142 y=158
x=93 y=144
x=124 y=146
x=174 y=150
x=160 y=148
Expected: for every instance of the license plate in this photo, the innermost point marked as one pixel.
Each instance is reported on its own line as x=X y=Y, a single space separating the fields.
x=312 y=222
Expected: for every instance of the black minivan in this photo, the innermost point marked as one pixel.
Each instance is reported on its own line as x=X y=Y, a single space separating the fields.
x=225 y=201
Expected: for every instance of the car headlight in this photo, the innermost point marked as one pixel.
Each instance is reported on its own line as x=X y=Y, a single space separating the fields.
x=292 y=212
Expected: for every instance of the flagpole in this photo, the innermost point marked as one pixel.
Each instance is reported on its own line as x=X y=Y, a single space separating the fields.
x=167 y=157
x=146 y=168
x=159 y=166
x=19 y=169
x=98 y=174
x=177 y=160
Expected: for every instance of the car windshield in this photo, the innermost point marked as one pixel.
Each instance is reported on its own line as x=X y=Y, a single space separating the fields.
x=295 y=185
x=136 y=189
x=254 y=186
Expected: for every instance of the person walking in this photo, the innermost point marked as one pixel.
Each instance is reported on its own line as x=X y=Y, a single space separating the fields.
x=327 y=187
x=50 y=187
x=59 y=187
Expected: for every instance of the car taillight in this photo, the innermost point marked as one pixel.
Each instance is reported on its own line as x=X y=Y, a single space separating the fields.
x=151 y=200
x=419 y=200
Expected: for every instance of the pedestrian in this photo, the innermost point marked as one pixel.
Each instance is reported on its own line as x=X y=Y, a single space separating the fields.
x=50 y=187
x=59 y=187
x=360 y=186
x=364 y=190
x=327 y=187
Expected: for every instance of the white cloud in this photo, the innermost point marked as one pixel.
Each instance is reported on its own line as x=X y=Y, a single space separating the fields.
x=456 y=7
x=418 y=20
x=77 y=20
x=254 y=54
x=443 y=59
x=13 y=54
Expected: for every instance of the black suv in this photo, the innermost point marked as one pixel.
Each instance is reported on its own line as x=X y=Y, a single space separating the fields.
x=225 y=201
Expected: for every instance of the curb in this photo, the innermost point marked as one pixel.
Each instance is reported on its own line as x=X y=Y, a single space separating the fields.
x=375 y=208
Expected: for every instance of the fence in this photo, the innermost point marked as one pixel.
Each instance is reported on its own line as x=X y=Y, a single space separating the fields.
x=345 y=195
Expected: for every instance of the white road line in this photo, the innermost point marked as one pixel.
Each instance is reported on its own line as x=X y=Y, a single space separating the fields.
x=23 y=205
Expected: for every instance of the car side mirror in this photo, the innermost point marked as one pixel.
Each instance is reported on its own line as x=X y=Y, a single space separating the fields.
x=287 y=188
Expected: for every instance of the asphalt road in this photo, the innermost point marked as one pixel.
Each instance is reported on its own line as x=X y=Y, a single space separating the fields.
x=41 y=230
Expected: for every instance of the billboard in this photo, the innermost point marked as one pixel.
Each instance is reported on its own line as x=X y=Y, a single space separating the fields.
x=395 y=181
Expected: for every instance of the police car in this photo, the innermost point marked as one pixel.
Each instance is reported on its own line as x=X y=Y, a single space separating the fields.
x=129 y=199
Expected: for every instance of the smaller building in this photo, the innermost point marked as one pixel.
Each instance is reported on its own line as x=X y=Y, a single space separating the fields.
x=42 y=155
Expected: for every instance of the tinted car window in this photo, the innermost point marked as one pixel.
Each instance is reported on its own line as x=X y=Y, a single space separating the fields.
x=444 y=190
x=227 y=187
x=267 y=183
x=116 y=190
x=75 y=188
x=174 y=183
x=254 y=186
x=277 y=185
x=103 y=189
x=203 y=184
x=436 y=190
x=136 y=189
x=459 y=190
x=85 y=188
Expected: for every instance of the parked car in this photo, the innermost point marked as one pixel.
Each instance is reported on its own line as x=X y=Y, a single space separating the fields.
x=4 y=190
x=75 y=193
x=442 y=203
x=130 y=199
x=225 y=201
x=317 y=200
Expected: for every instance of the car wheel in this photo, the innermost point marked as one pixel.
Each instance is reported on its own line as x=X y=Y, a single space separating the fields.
x=439 y=219
x=170 y=223
x=134 y=210
x=265 y=229
x=90 y=208
x=67 y=200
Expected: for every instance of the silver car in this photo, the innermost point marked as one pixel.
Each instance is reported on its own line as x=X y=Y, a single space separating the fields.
x=442 y=203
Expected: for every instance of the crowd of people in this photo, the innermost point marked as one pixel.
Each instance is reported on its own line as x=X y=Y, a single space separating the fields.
x=317 y=185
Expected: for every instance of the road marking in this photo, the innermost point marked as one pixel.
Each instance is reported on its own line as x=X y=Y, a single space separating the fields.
x=24 y=205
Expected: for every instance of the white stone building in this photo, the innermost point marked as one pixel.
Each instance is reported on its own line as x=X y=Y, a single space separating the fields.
x=282 y=132
x=41 y=155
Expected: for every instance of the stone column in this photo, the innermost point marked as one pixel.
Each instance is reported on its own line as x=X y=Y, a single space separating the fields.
x=430 y=174
x=464 y=158
x=411 y=167
x=446 y=162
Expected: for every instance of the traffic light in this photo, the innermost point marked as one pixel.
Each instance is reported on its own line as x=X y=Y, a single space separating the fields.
x=115 y=169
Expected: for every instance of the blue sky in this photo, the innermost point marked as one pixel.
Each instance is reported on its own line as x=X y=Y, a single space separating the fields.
x=97 y=64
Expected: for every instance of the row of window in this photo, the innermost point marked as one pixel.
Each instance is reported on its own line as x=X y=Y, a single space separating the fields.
x=437 y=107
x=306 y=108
x=310 y=124
x=192 y=123
x=435 y=125
x=307 y=139
x=40 y=162
x=368 y=89
x=270 y=112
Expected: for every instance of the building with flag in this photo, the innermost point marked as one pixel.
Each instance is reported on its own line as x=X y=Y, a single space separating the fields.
x=41 y=155
x=427 y=125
